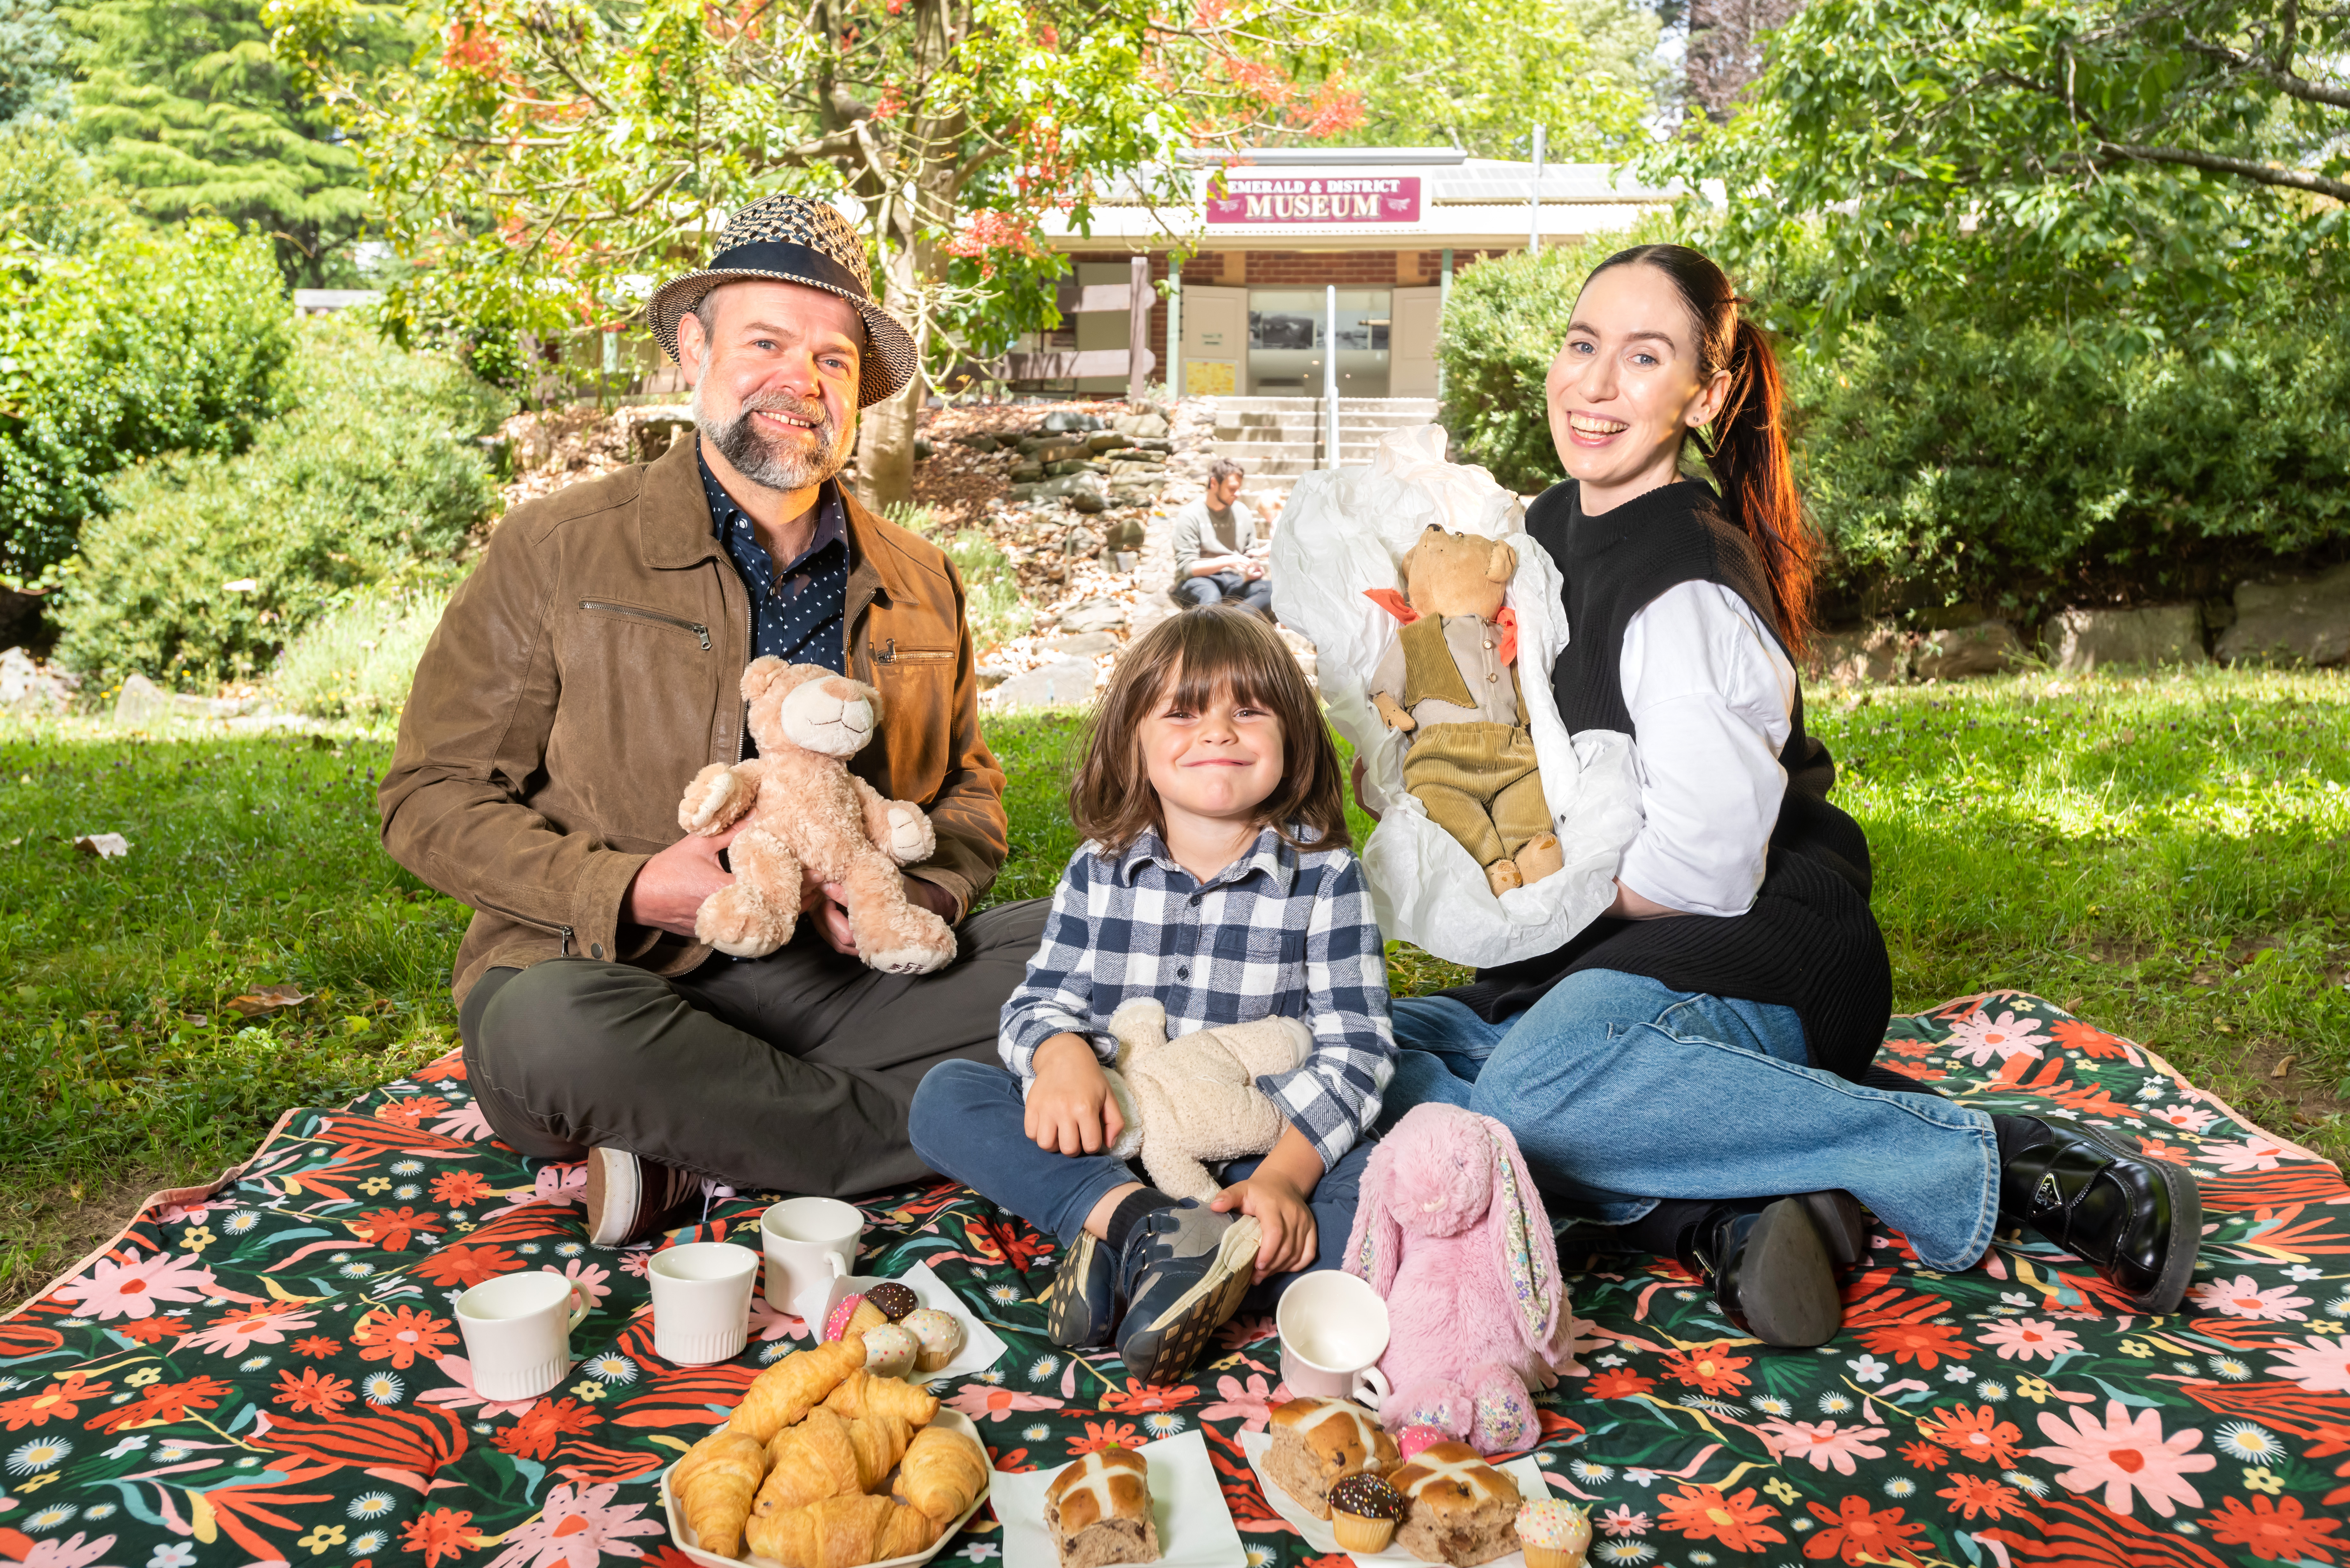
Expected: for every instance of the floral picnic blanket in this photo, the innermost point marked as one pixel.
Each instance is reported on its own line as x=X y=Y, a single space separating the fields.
x=270 y=1372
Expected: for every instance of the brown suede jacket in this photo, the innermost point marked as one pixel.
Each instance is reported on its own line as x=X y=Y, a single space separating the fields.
x=592 y=665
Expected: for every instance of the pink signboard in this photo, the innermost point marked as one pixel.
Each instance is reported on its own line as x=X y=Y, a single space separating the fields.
x=1246 y=196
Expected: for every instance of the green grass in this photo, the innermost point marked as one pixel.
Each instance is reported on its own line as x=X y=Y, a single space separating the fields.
x=2167 y=857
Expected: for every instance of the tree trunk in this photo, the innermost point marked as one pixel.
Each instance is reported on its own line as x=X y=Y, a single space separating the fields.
x=885 y=440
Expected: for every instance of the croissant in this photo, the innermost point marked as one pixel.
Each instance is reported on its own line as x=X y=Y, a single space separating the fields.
x=792 y=1387
x=841 y=1533
x=713 y=1485
x=944 y=1470
x=862 y=1395
x=825 y=1456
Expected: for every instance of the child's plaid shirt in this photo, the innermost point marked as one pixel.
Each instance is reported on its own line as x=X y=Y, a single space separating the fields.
x=1276 y=932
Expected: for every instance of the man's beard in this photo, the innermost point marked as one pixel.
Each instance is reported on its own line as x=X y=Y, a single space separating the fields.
x=765 y=459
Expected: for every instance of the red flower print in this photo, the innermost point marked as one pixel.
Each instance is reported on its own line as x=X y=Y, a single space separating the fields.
x=458 y=1188
x=2085 y=1038
x=450 y=1068
x=148 y=1330
x=393 y=1229
x=465 y=1264
x=1971 y=1495
x=2155 y=1148
x=316 y=1344
x=1924 y=1343
x=542 y=1425
x=1858 y=1534
x=1014 y=1461
x=1703 y=1513
x=60 y=1401
x=1978 y=1434
x=1100 y=1435
x=1708 y=1370
x=412 y=1110
x=1139 y=1397
x=401 y=1334
x=1925 y=1456
x=442 y=1532
x=2273 y=1531
x=314 y=1391
x=164 y=1402
x=1619 y=1383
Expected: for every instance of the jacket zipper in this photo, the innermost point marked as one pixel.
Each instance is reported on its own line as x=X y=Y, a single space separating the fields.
x=563 y=931
x=680 y=622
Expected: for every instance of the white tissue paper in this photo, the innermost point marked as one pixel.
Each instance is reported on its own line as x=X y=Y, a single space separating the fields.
x=1346 y=530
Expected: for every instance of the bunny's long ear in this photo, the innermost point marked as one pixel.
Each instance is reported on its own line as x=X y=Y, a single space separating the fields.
x=1374 y=1245
x=1525 y=1254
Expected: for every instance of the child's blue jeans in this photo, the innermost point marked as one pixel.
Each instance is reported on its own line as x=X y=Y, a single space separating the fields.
x=967 y=1123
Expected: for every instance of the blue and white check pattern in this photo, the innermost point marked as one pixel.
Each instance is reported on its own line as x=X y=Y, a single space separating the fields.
x=1275 y=933
x=796 y=611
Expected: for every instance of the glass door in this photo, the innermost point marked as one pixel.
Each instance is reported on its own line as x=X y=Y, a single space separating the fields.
x=1286 y=339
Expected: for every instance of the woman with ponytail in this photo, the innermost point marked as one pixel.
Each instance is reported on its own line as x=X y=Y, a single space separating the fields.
x=1696 y=1067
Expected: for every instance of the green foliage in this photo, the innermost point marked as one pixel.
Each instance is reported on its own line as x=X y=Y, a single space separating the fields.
x=2023 y=469
x=372 y=478
x=46 y=194
x=32 y=61
x=358 y=660
x=993 y=607
x=147 y=342
x=189 y=111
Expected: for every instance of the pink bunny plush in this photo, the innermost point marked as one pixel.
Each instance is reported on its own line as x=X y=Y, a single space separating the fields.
x=1452 y=1233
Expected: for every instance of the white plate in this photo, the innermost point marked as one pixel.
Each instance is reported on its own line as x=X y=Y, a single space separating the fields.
x=981 y=1347
x=1322 y=1538
x=682 y=1534
x=1195 y=1527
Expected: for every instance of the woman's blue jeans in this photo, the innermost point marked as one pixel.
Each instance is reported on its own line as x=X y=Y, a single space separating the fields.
x=1621 y=1091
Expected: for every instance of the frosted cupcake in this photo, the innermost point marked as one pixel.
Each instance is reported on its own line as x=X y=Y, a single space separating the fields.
x=1364 y=1512
x=1556 y=1535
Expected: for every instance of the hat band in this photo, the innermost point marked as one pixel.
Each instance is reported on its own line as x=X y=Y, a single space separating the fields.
x=799 y=261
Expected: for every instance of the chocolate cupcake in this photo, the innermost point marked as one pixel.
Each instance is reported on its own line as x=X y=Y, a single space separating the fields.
x=894 y=1300
x=1364 y=1511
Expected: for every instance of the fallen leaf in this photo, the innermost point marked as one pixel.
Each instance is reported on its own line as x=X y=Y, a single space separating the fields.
x=2281 y=1068
x=267 y=998
x=105 y=845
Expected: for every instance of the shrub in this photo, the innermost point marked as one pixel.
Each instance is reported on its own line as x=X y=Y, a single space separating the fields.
x=356 y=661
x=374 y=478
x=147 y=342
x=993 y=606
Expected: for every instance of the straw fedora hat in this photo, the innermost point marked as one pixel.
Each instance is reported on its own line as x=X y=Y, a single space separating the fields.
x=795 y=239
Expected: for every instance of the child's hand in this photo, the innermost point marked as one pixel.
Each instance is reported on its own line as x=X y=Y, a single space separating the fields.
x=1070 y=1107
x=1276 y=1204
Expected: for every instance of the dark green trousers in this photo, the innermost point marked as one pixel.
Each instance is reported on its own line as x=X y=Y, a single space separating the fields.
x=793 y=1071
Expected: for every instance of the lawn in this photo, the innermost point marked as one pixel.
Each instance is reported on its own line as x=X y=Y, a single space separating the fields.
x=2166 y=855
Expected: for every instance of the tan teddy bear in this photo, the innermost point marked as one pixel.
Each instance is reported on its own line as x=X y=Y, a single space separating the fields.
x=806 y=809
x=1451 y=682
x=1193 y=1099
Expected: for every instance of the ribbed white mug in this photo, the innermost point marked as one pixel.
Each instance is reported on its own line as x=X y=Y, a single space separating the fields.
x=701 y=1302
x=518 y=1334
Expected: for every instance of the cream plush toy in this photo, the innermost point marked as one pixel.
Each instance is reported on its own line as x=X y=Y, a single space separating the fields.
x=1194 y=1098
x=806 y=809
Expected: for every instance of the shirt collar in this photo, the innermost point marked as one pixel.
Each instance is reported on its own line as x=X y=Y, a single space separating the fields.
x=1265 y=856
x=727 y=515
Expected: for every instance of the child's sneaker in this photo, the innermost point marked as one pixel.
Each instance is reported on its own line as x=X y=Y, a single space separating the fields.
x=1185 y=1270
x=1081 y=1309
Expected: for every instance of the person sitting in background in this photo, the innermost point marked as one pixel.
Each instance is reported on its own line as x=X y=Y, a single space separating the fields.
x=1218 y=555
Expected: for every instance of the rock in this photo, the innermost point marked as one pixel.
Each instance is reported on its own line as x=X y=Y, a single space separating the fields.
x=1083 y=645
x=1081 y=542
x=2083 y=640
x=1072 y=465
x=1088 y=501
x=1093 y=615
x=1986 y=647
x=1108 y=441
x=26 y=686
x=1027 y=473
x=143 y=703
x=1157 y=444
x=1060 y=683
x=1063 y=451
x=991 y=675
x=1064 y=420
x=1138 y=490
x=1873 y=653
x=1070 y=487
x=922 y=448
x=978 y=440
x=2305 y=622
x=654 y=437
x=1148 y=427
x=1127 y=534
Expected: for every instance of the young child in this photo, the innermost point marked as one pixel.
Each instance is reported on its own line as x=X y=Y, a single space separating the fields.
x=1216 y=877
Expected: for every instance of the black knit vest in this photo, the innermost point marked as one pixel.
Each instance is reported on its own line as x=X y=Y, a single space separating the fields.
x=1809 y=942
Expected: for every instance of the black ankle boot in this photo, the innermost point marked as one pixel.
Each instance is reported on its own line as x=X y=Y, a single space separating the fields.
x=1842 y=1223
x=1769 y=1269
x=2137 y=1221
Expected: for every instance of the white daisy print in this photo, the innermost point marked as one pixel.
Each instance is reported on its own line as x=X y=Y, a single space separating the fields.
x=244 y=1219
x=1037 y=1434
x=611 y=1367
x=408 y=1167
x=1045 y=1366
x=1162 y=1423
x=2244 y=1440
x=371 y=1505
x=50 y=1518
x=569 y=1249
x=1584 y=1470
x=37 y=1457
x=381 y=1389
x=367 y=1542
x=1834 y=1404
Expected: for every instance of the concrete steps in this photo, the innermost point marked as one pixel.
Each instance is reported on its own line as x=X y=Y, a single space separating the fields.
x=1276 y=437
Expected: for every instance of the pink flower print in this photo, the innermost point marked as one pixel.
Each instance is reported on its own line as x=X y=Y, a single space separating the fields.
x=79 y=1552
x=465 y=1396
x=560 y=1184
x=2029 y=1339
x=269 y=1324
x=2240 y=1297
x=1976 y=1038
x=1252 y=1401
x=2125 y=1455
x=578 y=1528
x=768 y=1322
x=112 y=1290
x=592 y=1275
x=2323 y=1367
x=2239 y=1158
x=985 y=1402
x=467 y=1122
x=1820 y=1445
x=1621 y=1521
x=2186 y=1118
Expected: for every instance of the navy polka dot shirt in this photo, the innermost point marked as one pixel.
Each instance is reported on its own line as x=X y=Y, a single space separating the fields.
x=797 y=611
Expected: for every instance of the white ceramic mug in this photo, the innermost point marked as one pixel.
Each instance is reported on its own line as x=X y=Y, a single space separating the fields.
x=517 y=1330
x=702 y=1301
x=1334 y=1329
x=811 y=1246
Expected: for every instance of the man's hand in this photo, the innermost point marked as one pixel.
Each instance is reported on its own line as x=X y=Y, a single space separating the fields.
x=1275 y=1195
x=668 y=890
x=1252 y=568
x=825 y=901
x=1210 y=566
x=1070 y=1107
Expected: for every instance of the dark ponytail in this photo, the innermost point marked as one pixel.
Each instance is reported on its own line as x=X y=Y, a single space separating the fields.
x=1748 y=450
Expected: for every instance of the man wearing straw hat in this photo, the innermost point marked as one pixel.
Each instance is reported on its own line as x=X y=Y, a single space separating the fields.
x=592 y=665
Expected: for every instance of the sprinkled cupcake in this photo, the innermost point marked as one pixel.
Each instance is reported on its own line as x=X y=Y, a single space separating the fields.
x=1556 y=1535
x=1364 y=1511
x=1411 y=1440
